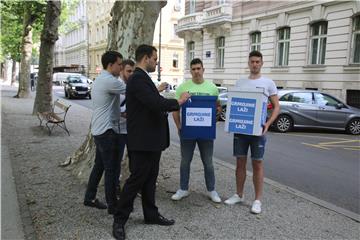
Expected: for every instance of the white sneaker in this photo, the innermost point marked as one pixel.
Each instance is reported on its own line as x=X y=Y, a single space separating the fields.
x=234 y=199
x=256 y=207
x=180 y=194
x=214 y=196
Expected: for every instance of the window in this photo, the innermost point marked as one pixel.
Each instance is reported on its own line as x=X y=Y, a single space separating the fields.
x=353 y=97
x=177 y=6
x=191 y=52
x=356 y=40
x=325 y=100
x=299 y=97
x=175 y=62
x=318 y=43
x=255 y=41
x=220 y=51
x=175 y=27
x=192 y=6
x=283 y=46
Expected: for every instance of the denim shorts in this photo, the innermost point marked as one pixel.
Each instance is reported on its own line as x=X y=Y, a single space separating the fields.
x=256 y=144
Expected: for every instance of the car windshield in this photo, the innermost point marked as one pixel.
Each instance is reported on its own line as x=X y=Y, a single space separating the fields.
x=85 y=79
x=76 y=80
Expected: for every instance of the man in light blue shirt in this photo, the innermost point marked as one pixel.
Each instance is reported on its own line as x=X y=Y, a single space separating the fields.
x=105 y=128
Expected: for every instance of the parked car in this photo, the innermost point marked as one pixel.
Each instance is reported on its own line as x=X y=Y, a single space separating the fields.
x=310 y=109
x=77 y=86
x=315 y=109
x=60 y=77
x=223 y=98
x=222 y=89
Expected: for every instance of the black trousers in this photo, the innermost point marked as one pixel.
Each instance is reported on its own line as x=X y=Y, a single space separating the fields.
x=107 y=160
x=144 y=170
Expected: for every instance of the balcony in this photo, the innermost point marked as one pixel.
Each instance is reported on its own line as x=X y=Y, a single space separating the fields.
x=189 y=23
x=220 y=14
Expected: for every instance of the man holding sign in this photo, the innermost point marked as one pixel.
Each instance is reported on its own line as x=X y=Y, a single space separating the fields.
x=198 y=117
x=242 y=142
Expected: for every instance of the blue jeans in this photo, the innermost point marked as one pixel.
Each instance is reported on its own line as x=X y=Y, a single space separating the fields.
x=107 y=160
x=206 y=148
x=256 y=143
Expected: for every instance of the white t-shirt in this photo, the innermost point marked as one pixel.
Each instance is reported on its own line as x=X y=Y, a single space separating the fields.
x=263 y=82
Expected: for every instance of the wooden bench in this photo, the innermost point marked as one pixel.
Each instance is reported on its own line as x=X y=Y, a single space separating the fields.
x=55 y=118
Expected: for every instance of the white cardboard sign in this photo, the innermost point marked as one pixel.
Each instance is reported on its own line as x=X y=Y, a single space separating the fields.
x=200 y=117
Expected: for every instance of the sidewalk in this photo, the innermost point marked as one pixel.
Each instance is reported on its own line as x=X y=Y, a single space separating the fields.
x=53 y=196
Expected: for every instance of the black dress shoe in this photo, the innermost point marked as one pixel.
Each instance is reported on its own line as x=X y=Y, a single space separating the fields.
x=160 y=220
x=96 y=204
x=118 y=231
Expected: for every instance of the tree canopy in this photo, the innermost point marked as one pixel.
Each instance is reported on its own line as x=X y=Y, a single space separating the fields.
x=12 y=16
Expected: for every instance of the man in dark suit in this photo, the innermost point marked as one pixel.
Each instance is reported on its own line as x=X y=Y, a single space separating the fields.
x=148 y=136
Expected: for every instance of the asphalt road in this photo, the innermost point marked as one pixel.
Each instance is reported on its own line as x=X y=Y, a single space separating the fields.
x=324 y=164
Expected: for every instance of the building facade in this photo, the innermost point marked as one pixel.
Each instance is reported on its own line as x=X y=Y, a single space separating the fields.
x=87 y=40
x=98 y=19
x=305 y=44
x=72 y=47
x=171 y=47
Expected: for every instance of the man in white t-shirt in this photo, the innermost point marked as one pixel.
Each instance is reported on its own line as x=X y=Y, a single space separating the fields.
x=256 y=143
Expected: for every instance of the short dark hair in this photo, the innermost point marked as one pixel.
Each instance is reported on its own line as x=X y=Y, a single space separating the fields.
x=255 y=54
x=128 y=62
x=110 y=57
x=144 y=50
x=196 y=61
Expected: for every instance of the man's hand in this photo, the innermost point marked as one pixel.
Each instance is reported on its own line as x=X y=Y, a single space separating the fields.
x=265 y=128
x=183 y=98
x=162 y=86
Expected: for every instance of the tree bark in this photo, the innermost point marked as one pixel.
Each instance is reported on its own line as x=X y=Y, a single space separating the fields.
x=49 y=35
x=26 y=50
x=13 y=73
x=132 y=24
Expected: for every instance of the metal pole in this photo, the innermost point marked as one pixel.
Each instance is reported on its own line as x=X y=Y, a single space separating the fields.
x=159 y=62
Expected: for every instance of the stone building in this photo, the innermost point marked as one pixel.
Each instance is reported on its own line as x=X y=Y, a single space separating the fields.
x=305 y=44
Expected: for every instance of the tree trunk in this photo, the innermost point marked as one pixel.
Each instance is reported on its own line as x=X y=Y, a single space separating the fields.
x=13 y=73
x=49 y=35
x=26 y=50
x=132 y=24
x=2 y=70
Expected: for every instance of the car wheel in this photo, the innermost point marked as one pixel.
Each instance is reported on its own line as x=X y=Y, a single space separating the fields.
x=283 y=123
x=223 y=114
x=353 y=126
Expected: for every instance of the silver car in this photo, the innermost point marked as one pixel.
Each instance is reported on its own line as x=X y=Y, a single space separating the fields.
x=314 y=109
x=223 y=97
